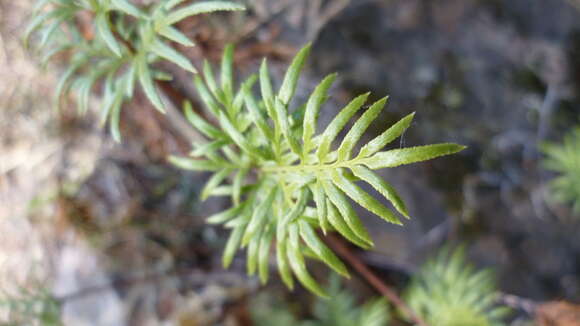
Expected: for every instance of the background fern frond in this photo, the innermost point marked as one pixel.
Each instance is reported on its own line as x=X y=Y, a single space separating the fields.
x=303 y=183
x=564 y=159
x=448 y=291
x=129 y=39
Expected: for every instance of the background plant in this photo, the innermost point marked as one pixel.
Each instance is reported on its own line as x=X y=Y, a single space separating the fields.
x=341 y=309
x=447 y=291
x=564 y=159
x=289 y=182
x=31 y=305
x=128 y=39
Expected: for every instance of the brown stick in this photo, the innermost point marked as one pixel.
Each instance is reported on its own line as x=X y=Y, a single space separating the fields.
x=372 y=278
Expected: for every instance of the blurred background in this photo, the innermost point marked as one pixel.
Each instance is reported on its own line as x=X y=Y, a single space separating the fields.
x=98 y=233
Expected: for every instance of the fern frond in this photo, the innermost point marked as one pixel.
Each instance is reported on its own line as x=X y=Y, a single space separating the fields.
x=129 y=39
x=447 y=291
x=564 y=159
x=303 y=183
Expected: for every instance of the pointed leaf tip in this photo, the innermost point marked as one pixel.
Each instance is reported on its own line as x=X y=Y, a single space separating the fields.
x=402 y=156
x=292 y=74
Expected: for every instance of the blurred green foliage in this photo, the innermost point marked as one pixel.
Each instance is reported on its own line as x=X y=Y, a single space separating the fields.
x=340 y=309
x=448 y=291
x=31 y=305
x=564 y=159
x=115 y=41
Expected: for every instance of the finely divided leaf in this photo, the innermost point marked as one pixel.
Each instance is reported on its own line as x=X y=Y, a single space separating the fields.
x=237 y=185
x=361 y=197
x=316 y=100
x=396 y=157
x=116 y=114
x=165 y=51
x=227 y=72
x=346 y=211
x=232 y=245
x=293 y=214
x=48 y=33
x=256 y=113
x=264 y=254
x=214 y=182
x=175 y=35
x=298 y=265
x=208 y=149
x=235 y=135
x=292 y=74
x=337 y=124
x=210 y=81
x=146 y=81
x=321 y=209
x=37 y=21
x=320 y=249
x=201 y=124
x=52 y=52
x=64 y=82
x=386 y=137
x=201 y=8
x=130 y=75
x=224 y=216
x=283 y=119
x=252 y=256
x=104 y=31
x=127 y=7
x=283 y=265
x=266 y=84
x=192 y=164
x=339 y=225
x=206 y=96
x=382 y=187
x=260 y=215
x=359 y=128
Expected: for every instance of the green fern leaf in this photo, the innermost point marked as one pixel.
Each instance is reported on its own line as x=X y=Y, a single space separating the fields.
x=168 y=53
x=449 y=292
x=174 y=35
x=127 y=7
x=564 y=159
x=201 y=8
x=386 y=137
x=296 y=259
x=337 y=124
x=320 y=249
x=129 y=34
x=104 y=31
x=355 y=133
x=396 y=157
x=283 y=168
x=264 y=255
x=291 y=78
x=146 y=81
